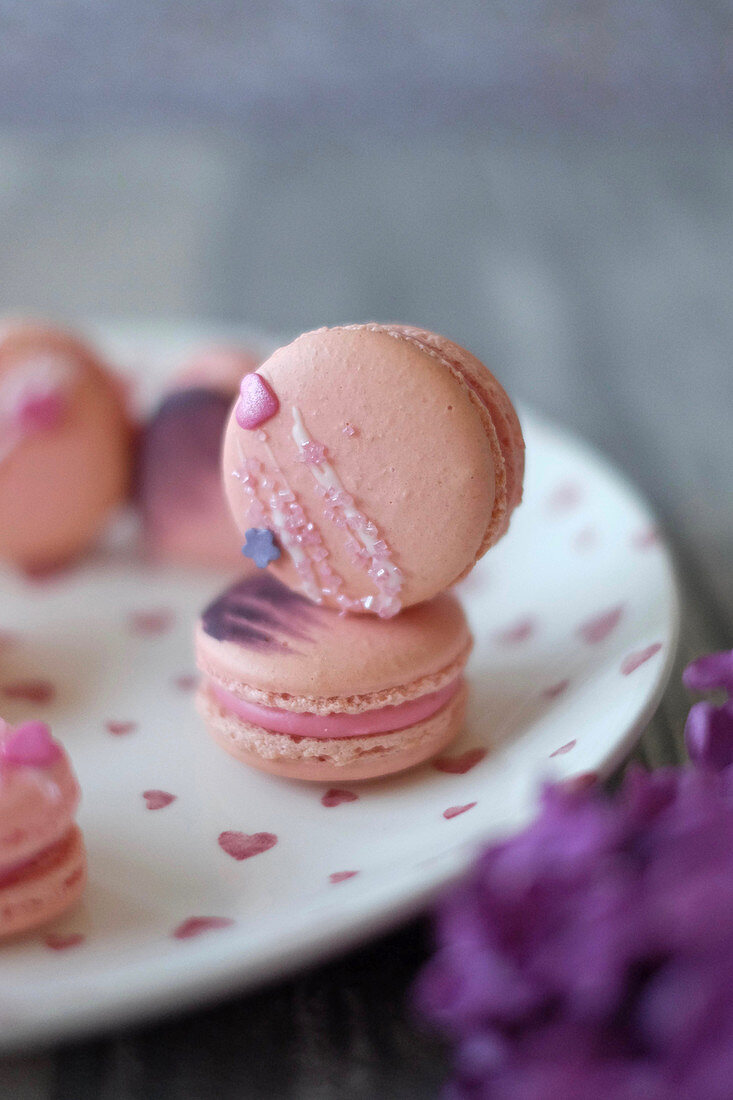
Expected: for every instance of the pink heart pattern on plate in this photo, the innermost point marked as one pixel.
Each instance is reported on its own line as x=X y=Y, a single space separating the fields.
x=455 y=811
x=196 y=926
x=341 y=876
x=335 y=796
x=243 y=845
x=119 y=729
x=158 y=800
x=600 y=626
x=636 y=660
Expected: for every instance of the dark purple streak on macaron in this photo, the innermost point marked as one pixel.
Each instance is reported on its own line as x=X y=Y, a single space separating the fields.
x=178 y=465
x=259 y=612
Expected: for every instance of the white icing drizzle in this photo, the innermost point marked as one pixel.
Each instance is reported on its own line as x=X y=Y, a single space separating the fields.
x=253 y=478
x=370 y=551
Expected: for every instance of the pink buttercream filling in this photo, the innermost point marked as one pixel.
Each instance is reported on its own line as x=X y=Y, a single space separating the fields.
x=323 y=726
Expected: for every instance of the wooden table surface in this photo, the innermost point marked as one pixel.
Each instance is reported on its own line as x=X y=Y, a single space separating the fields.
x=596 y=277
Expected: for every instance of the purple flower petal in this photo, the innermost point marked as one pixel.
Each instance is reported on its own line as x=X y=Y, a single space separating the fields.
x=709 y=735
x=711 y=672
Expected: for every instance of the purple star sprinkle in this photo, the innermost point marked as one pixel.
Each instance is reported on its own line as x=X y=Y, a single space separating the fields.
x=260 y=546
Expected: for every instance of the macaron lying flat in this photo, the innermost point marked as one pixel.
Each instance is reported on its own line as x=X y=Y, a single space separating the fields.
x=42 y=858
x=300 y=691
x=383 y=460
x=185 y=516
x=65 y=445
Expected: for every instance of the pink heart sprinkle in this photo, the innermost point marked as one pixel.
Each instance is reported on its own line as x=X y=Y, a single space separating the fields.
x=257 y=402
x=565 y=748
x=454 y=811
x=120 y=728
x=195 y=926
x=59 y=942
x=40 y=692
x=634 y=660
x=158 y=800
x=150 y=623
x=243 y=846
x=334 y=797
x=31 y=744
x=518 y=632
x=341 y=876
x=459 y=765
x=554 y=690
x=187 y=682
x=600 y=626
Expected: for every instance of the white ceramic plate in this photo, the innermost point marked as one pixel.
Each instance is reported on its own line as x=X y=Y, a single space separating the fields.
x=575 y=616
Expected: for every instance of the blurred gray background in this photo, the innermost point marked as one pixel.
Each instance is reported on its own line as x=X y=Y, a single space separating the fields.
x=549 y=183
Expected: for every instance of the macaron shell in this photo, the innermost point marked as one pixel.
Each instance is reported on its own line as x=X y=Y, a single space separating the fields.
x=503 y=416
x=58 y=485
x=185 y=516
x=46 y=888
x=278 y=649
x=346 y=759
x=407 y=440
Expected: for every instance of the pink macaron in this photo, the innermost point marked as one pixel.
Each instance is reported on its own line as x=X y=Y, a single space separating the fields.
x=65 y=445
x=185 y=517
x=301 y=691
x=380 y=461
x=42 y=858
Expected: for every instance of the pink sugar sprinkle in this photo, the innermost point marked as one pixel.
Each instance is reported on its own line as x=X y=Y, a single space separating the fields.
x=303 y=568
x=319 y=553
x=349 y=429
x=312 y=453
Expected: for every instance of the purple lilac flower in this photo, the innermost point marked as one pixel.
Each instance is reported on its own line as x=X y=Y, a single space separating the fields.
x=591 y=955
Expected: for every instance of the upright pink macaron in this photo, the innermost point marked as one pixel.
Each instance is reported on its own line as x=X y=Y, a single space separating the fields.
x=185 y=516
x=42 y=859
x=383 y=460
x=65 y=445
x=298 y=690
